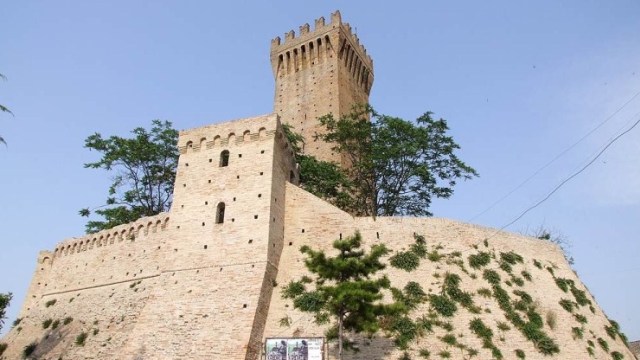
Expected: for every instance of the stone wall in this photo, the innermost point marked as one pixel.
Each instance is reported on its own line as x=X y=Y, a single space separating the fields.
x=311 y=221
x=188 y=284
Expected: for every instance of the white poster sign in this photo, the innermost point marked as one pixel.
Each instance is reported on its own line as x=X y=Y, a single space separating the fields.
x=294 y=348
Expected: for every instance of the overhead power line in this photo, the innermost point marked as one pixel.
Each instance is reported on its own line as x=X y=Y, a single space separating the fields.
x=535 y=173
x=572 y=175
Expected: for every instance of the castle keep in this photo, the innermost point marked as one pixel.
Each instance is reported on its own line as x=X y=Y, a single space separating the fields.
x=204 y=280
x=319 y=72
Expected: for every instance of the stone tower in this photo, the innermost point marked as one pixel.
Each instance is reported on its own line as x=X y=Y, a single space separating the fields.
x=319 y=72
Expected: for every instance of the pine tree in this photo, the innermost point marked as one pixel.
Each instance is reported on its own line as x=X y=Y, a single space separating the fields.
x=344 y=292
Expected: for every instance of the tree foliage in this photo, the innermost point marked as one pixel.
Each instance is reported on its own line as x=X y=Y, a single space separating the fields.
x=4 y=109
x=344 y=292
x=322 y=178
x=397 y=166
x=144 y=168
x=5 y=299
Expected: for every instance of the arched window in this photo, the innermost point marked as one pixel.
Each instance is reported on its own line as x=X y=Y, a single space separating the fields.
x=292 y=176
x=220 y=213
x=224 y=158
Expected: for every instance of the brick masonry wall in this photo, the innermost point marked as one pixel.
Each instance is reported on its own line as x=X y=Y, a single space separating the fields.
x=311 y=221
x=206 y=286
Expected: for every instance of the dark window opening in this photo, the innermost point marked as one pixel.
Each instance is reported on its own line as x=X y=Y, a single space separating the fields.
x=220 y=213
x=224 y=158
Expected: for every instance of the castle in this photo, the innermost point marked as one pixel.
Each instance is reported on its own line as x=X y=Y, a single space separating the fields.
x=204 y=280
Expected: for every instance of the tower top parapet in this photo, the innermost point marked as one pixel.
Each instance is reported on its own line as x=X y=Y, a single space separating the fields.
x=321 y=28
x=319 y=71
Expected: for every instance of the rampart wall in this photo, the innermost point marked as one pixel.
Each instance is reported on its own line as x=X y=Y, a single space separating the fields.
x=313 y=222
x=191 y=269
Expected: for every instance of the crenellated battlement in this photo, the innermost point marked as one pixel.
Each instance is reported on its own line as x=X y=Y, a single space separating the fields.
x=319 y=71
x=311 y=48
x=223 y=139
x=320 y=27
x=236 y=133
x=126 y=232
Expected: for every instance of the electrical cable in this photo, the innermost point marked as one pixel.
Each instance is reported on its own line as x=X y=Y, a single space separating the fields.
x=572 y=175
x=554 y=159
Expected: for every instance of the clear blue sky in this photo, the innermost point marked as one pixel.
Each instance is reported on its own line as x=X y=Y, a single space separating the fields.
x=518 y=82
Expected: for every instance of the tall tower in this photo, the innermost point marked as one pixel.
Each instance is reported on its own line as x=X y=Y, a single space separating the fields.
x=319 y=72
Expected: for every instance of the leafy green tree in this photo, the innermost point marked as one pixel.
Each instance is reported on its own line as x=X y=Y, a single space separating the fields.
x=344 y=292
x=4 y=109
x=322 y=178
x=145 y=170
x=397 y=166
x=5 y=299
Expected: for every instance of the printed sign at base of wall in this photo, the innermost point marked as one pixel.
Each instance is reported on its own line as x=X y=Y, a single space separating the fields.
x=294 y=348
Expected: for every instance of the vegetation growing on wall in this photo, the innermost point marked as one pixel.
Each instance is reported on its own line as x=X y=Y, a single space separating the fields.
x=81 y=338
x=410 y=260
x=479 y=260
x=429 y=313
x=29 y=349
x=561 y=241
